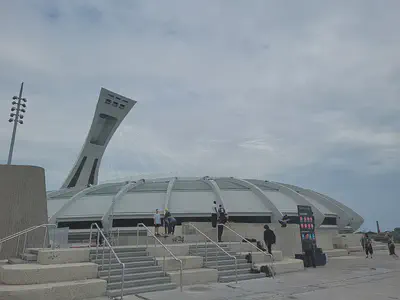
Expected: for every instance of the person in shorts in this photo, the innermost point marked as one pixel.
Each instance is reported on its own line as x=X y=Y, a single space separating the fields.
x=157 y=222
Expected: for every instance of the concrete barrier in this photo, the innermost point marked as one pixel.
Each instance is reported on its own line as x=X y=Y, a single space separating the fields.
x=194 y=276
x=189 y=262
x=259 y=257
x=63 y=256
x=83 y=289
x=23 y=274
x=336 y=252
x=286 y=266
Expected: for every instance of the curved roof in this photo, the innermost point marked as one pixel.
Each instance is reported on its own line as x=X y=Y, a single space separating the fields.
x=193 y=197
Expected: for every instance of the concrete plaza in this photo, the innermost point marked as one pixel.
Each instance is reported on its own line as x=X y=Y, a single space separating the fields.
x=343 y=278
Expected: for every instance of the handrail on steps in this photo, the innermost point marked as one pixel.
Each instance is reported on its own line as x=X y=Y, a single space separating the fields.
x=258 y=249
x=111 y=251
x=165 y=248
x=218 y=246
x=25 y=232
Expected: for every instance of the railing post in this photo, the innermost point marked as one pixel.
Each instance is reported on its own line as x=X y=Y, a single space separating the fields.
x=205 y=244
x=26 y=236
x=236 y=270
x=102 y=260
x=97 y=243
x=137 y=235
x=164 y=265
x=109 y=268
x=122 y=281
x=181 y=281
x=16 y=250
x=45 y=237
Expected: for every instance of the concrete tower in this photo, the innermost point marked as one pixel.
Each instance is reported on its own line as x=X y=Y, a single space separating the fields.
x=110 y=111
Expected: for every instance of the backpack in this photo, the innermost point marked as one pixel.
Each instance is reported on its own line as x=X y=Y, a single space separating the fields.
x=273 y=238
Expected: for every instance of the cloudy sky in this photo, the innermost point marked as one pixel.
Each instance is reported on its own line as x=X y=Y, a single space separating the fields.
x=303 y=92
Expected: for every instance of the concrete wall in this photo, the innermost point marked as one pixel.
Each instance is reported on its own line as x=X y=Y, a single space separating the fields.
x=344 y=241
x=23 y=204
x=325 y=237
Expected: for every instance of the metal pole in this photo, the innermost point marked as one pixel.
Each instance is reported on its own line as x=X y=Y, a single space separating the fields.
x=26 y=236
x=10 y=153
x=45 y=237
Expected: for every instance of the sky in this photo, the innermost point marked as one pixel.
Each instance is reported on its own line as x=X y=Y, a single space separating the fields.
x=301 y=92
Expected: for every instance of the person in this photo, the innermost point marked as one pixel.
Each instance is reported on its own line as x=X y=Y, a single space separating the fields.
x=362 y=241
x=221 y=222
x=392 y=246
x=172 y=223
x=157 y=222
x=368 y=246
x=221 y=211
x=269 y=238
x=214 y=214
x=309 y=251
x=167 y=215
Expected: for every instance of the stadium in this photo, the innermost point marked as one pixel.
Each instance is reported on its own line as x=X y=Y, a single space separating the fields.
x=81 y=201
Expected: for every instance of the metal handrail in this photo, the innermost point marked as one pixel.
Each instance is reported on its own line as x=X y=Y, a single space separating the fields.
x=165 y=247
x=105 y=241
x=219 y=247
x=247 y=241
x=25 y=232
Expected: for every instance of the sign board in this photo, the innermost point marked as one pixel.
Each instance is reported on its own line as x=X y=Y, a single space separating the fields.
x=306 y=223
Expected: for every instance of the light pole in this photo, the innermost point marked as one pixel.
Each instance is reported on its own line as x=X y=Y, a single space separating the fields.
x=16 y=116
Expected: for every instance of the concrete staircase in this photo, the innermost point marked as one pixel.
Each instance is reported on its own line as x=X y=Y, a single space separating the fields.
x=223 y=263
x=49 y=279
x=142 y=272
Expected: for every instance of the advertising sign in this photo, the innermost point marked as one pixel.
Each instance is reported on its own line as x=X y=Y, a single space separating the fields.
x=306 y=223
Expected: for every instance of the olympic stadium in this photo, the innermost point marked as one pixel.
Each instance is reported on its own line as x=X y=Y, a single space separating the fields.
x=82 y=201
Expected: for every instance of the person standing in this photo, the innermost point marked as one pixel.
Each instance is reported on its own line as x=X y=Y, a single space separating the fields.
x=269 y=238
x=309 y=251
x=157 y=222
x=167 y=216
x=368 y=246
x=220 y=228
x=172 y=223
x=214 y=214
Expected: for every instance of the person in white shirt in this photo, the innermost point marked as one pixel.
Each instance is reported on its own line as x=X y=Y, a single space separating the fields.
x=214 y=214
x=157 y=222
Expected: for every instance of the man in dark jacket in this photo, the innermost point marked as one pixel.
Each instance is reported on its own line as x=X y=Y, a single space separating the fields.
x=309 y=251
x=269 y=238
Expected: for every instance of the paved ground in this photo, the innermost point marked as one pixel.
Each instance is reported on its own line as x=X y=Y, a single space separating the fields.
x=344 y=278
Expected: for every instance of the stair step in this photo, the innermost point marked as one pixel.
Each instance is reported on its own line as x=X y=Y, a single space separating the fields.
x=225 y=262
x=232 y=272
x=140 y=282
x=212 y=252
x=119 y=254
x=134 y=276
x=209 y=246
x=116 y=272
x=16 y=261
x=118 y=249
x=241 y=277
x=219 y=257
x=143 y=289
x=128 y=265
x=29 y=257
x=230 y=267
x=124 y=260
